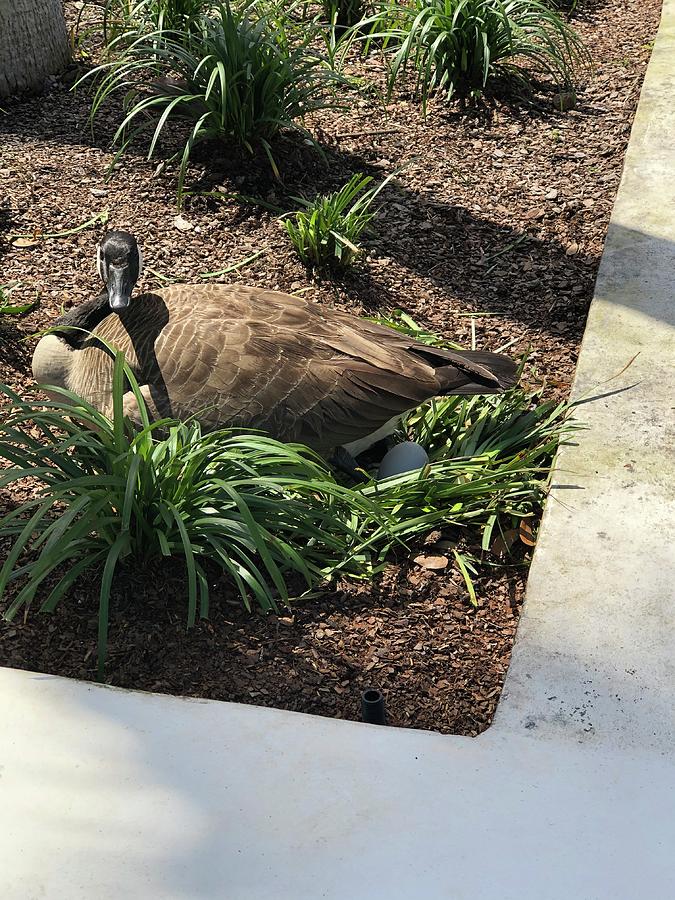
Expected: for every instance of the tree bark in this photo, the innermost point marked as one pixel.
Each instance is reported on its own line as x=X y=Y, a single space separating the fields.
x=33 y=44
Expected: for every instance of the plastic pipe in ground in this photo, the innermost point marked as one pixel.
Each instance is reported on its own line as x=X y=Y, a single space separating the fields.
x=372 y=707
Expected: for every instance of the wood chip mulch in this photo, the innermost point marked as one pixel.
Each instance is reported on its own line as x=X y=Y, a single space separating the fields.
x=501 y=212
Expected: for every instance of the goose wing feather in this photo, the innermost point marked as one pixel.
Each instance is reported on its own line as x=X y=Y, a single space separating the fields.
x=253 y=358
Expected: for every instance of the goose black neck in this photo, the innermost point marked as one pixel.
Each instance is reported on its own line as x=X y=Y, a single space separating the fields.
x=82 y=319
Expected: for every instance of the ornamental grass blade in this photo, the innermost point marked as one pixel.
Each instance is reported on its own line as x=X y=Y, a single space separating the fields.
x=19 y=545
x=189 y=563
x=463 y=567
x=112 y=559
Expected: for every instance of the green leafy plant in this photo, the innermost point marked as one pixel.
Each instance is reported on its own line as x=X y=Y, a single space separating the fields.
x=343 y=14
x=110 y=495
x=132 y=18
x=241 y=78
x=490 y=464
x=7 y=308
x=455 y=47
x=490 y=468
x=399 y=320
x=327 y=231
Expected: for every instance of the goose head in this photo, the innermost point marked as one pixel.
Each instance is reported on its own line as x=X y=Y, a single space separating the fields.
x=119 y=262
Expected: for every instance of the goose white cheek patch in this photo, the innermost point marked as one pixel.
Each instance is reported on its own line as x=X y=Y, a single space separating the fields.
x=99 y=263
x=140 y=262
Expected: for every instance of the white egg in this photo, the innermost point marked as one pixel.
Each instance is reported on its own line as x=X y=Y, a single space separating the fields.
x=402 y=458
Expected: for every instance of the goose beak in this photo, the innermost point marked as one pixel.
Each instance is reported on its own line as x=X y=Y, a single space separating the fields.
x=120 y=286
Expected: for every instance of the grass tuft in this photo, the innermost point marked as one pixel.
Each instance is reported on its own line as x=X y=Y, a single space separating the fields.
x=327 y=231
x=455 y=47
x=108 y=494
x=7 y=308
x=129 y=19
x=242 y=76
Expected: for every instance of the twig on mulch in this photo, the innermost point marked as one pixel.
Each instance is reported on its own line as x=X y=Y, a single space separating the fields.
x=369 y=132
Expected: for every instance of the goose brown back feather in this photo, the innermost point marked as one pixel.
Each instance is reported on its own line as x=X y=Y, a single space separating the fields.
x=242 y=356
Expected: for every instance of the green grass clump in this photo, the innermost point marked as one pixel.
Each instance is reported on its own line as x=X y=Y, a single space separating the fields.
x=343 y=14
x=260 y=510
x=490 y=464
x=327 y=231
x=7 y=308
x=132 y=18
x=241 y=78
x=455 y=47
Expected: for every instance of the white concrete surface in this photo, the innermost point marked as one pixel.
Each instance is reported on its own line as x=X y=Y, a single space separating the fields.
x=569 y=796
x=107 y=795
x=595 y=655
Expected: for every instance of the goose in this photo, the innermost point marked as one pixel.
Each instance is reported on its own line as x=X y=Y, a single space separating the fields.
x=236 y=356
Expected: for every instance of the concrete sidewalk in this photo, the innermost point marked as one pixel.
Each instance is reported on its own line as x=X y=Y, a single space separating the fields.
x=569 y=796
x=107 y=795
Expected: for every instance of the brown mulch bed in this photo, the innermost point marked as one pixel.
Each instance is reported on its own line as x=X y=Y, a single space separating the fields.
x=501 y=212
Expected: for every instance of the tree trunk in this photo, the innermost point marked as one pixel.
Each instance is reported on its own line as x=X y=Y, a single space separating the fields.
x=33 y=44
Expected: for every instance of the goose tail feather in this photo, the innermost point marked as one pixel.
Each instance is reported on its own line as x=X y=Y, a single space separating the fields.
x=477 y=372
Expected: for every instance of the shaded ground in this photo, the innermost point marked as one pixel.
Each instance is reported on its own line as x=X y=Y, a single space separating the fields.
x=501 y=213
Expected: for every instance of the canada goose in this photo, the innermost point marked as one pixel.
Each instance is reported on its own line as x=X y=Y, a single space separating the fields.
x=249 y=357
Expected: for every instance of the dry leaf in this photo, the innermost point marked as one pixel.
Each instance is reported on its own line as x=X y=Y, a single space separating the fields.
x=432 y=562
x=526 y=534
x=182 y=224
x=502 y=544
x=23 y=243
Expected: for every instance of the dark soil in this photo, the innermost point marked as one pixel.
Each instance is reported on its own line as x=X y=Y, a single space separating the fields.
x=500 y=211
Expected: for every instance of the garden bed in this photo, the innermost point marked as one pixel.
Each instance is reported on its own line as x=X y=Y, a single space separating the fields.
x=500 y=212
